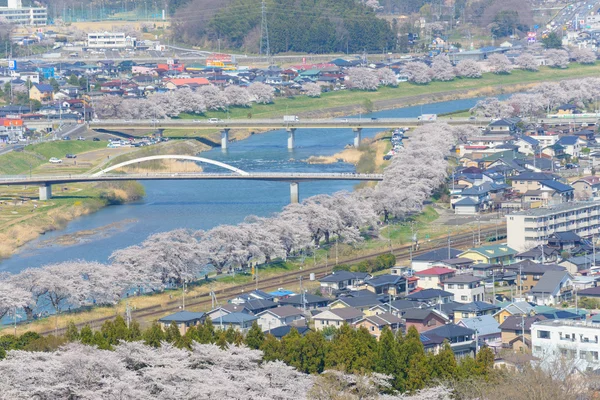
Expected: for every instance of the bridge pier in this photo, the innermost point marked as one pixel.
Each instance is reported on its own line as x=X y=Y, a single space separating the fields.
x=291 y=137
x=294 y=193
x=224 y=138
x=45 y=192
x=357 y=138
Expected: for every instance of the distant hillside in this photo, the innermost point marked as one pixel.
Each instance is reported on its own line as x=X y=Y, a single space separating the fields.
x=314 y=26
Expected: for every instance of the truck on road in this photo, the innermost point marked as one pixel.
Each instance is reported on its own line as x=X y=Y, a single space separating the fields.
x=428 y=117
x=290 y=118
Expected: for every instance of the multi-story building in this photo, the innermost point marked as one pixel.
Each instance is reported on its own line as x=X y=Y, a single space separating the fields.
x=526 y=229
x=466 y=288
x=15 y=13
x=562 y=340
x=109 y=40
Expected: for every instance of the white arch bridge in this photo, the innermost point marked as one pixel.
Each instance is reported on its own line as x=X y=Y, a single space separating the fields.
x=45 y=182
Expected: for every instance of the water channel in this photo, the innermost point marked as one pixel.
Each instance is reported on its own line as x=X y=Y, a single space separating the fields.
x=204 y=204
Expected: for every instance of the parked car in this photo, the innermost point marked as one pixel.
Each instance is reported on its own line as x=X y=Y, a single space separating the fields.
x=80 y=138
x=55 y=160
x=96 y=139
x=214 y=120
x=66 y=138
x=71 y=155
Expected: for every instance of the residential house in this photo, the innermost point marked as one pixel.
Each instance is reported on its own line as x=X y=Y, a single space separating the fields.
x=253 y=295
x=237 y=320
x=396 y=307
x=516 y=308
x=593 y=292
x=431 y=296
x=555 y=151
x=183 y=320
x=460 y=264
x=528 y=145
x=336 y=317
x=376 y=323
x=465 y=288
x=387 y=284
x=305 y=301
x=527 y=181
x=529 y=273
x=176 y=83
x=225 y=309
x=424 y=319
x=257 y=306
x=580 y=264
x=275 y=317
x=283 y=330
x=506 y=126
x=516 y=331
x=461 y=339
x=587 y=188
x=361 y=303
x=555 y=192
x=41 y=92
x=545 y=138
x=572 y=145
x=485 y=271
x=342 y=280
x=474 y=309
x=487 y=330
x=424 y=261
x=491 y=254
x=568 y=109
x=539 y=254
x=431 y=278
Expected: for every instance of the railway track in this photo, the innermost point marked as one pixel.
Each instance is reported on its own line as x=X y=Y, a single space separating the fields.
x=203 y=301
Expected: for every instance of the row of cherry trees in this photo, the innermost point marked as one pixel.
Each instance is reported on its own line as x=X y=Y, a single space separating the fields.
x=172 y=103
x=542 y=99
x=170 y=258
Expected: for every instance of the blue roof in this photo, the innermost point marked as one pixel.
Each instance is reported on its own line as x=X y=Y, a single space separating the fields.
x=429 y=294
x=449 y=331
x=43 y=87
x=484 y=325
x=467 y=201
x=282 y=292
x=183 y=316
x=568 y=140
x=530 y=140
x=281 y=331
x=556 y=185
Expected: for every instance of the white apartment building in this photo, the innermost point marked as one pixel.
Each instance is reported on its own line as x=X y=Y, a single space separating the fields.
x=465 y=288
x=15 y=13
x=574 y=342
x=109 y=40
x=530 y=228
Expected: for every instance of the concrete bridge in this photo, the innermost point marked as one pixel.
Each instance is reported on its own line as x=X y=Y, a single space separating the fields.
x=294 y=178
x=354 y=124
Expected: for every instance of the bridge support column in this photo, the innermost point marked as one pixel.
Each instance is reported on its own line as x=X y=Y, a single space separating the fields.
x=291 y=137
x=45 y=192
x=294 y=192
x=357 y=132
x=224 y=139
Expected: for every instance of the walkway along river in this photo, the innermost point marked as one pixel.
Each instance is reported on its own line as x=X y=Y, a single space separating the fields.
x=204 y=204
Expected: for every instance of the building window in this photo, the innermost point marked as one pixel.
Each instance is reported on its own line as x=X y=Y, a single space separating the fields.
x=464 y=298
x=537 y=349
x=543 y=334
x=465 y=315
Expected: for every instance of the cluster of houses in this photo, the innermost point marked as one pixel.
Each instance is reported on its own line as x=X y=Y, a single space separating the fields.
x=510 y=167
x=446 y=294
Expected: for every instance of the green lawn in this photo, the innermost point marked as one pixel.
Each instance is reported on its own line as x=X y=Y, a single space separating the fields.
x=15 y=163
x=299 y=104
x=60 y=148
x=421 y=225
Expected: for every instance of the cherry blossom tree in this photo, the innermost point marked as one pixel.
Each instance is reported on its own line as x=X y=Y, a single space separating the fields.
x=468 y=69
x=262 y=94
x=363 y=78
x=500 y=64
x=527 y=61
x=109 y=107
x=30 y=280
x=190 y=101
x=12 y=297
x=584 y=56
x=214 y=99
x=491 y=107
x=237 y=96
x=312 y=89
x=557 y=58
x=417 y=72
x=387 y=77
x=442 y=69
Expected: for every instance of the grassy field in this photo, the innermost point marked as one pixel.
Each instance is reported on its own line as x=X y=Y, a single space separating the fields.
x=60 y=148
x=345 y=98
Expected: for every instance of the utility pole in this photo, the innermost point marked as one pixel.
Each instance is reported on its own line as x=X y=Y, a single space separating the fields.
x=264 y=33
x=183 y=297
x=128 y=314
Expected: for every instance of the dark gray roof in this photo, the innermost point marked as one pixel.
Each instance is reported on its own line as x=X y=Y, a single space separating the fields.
x=449 y=331
x=530 y=267
x=438 y=254
x=235 y=318
x=339 y=276
x=595 y=291
x=549 y=282
x=556 y=185
x=183 y=316
x=360 y=301
x=429 y=294
x=281 y=331
x=404 y=304
x=308 y=299
x=513 y=323
x=569 y=236
x=385 y=279
x=477 y=306
x=347 y=313
x=462 y=279
x=417 y=314
x=259 y=304
x=283 y=311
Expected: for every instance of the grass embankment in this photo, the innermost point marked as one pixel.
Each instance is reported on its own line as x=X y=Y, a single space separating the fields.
x=406 y=93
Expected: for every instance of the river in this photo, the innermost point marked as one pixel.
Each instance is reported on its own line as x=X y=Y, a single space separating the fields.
x=204 y=204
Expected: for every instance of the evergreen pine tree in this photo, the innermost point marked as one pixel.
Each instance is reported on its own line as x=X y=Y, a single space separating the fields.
x=291 y=348
x=72 y=334
x=86 y=336
x=387 y=360
x=418 y=373
x=485 y=362
x=271 y=348
x=365 y=349
x=341 y=354
x=230 y=334
x=467 y=368
x=238 y=338
x=100 y=341
x=443 y=364
x=255 y=337
x=134 y=333
x=222 y=340
x=313 y=351
x=206 y=333
x=108 y=330
x=172 y=334
x=154 y=335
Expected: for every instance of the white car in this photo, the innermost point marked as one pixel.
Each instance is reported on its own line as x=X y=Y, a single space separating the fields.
x=55 y=160
x=214 y=120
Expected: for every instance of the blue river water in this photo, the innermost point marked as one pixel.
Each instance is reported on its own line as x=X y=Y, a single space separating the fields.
x=204 y=204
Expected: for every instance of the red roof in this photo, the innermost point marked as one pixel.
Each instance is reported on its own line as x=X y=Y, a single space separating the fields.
x=413 y=279
x=435 y=271
x=475 y=147
x=187 y=81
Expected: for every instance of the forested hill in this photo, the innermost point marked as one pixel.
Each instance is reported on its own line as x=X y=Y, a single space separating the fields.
x=314 y=26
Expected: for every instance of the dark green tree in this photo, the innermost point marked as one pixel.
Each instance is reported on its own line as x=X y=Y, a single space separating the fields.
x=341 y=354
x=72 y=333
x=54 y=84
x=134 y=333
x=271 y=348
x=154 y=335
x=222 y=340
x=255 y=336
x=86 y=336
x=291 y=348
x=365 y=349
x=387 y=360
x=552 y=41
x=230 y=334
x=206 y=332
x=485 y=362
x=172 y=333
x=100 y=341
x=313 y=350
x=444 y=364
x=73 y=80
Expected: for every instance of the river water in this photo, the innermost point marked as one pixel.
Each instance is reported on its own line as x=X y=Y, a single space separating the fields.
x=204 y=204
